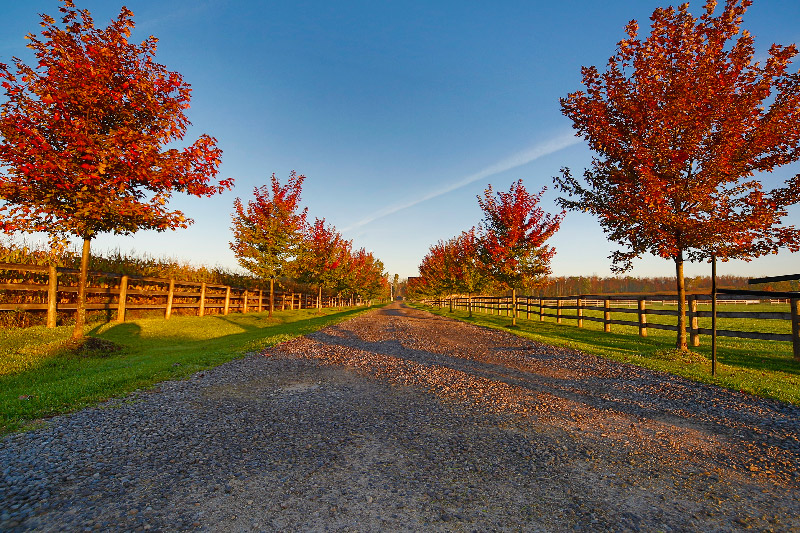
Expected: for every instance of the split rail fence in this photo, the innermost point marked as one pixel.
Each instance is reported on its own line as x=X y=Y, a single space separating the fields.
x=52 y=291
x=574 y=308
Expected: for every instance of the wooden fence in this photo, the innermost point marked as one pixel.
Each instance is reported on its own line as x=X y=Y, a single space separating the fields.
x=573 y=308
x=117 y=293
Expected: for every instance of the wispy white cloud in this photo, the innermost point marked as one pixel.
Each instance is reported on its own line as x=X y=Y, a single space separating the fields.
x=517 y=160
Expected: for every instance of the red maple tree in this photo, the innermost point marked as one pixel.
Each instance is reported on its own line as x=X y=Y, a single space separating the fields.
x=516 y=229
x=468 y=271
x=365 y=278
x=436 y=276
x=324 y=257
x=84 y=134
x=267 y=233
x=681 y=122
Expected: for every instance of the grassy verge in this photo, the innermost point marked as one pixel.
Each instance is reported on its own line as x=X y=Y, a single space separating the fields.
x=762 y=368
x=43 y=374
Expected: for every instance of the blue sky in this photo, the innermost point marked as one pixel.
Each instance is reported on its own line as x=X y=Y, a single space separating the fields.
x=398 y=113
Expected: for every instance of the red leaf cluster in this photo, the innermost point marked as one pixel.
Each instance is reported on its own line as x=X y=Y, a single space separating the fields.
x=268 y=231
x=85 y=133
x=508 y=249
x=682 y=121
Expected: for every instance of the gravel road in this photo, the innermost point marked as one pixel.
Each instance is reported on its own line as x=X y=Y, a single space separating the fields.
x=400 y=420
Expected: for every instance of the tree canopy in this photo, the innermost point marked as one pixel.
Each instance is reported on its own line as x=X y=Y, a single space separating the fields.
x=681 y=123
x=87 y=136
x=268 y=231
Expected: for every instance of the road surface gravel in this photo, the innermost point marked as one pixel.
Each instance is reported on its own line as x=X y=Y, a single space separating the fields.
x=400 y=420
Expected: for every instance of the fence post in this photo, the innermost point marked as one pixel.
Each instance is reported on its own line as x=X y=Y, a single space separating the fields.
x=260 y=300
x=558 y=309
x=244 y=301
x=170 y=296
x=202 y=310
x=642 y=317
x=694 y=335
x=52 y=296
x=579 y=304
x=123 y=296
x=541 y=309
x=607 y=315
x=227 y=301
x=527 y=308
x=795 y=305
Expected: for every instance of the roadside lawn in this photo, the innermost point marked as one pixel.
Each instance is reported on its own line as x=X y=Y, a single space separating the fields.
x=43 y=373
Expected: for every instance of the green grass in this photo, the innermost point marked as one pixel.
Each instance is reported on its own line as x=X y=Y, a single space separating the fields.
x=762 y=368
x=42 y=374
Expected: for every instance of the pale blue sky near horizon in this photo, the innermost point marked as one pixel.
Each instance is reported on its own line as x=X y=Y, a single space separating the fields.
x=398 y=114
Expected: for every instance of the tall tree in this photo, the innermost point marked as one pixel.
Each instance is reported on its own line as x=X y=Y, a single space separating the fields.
x=267 y=233
x=681 y=122
x=84 y=133
x=323 y=257
x=516 y=229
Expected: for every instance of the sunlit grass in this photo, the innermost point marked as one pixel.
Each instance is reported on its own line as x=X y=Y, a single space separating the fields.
x=42 y=376
x=763 y=368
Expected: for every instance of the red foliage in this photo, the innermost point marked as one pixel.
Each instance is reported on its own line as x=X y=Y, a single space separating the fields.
x=84 y=130
x=682 y=121
x=325 y=256
x=514 y=249
x=267 y=233
x=84 y=135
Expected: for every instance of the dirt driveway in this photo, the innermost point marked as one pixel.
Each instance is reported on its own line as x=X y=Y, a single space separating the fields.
x=400 y=420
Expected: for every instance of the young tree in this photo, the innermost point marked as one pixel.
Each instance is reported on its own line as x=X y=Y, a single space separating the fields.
x=681 y=122
x=84 y=134
x=435 y=272
x=468 y=271
x=514 y=249
x=366 y=278
x=268 y=232
x=323 y=257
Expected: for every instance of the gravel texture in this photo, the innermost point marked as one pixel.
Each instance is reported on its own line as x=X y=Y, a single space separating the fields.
x=403 y=421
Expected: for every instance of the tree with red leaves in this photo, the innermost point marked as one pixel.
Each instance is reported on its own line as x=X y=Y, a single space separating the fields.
x=84 y=134
x=267 y=233
x=366 y=277
x=323 y=258
x=467 y=271
x=516 y=229
x=436 y=275
x=681 y=122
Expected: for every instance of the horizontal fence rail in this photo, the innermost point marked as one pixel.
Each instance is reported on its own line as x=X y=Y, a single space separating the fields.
x=573 y=308
x=120 y=293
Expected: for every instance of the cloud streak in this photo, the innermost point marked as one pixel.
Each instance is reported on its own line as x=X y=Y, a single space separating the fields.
x=517 y=160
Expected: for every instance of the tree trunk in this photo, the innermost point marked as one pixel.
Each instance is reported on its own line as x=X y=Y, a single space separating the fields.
x=80 y=313
x=681 y=340
x=271 y=296
x=513 y=307
x=713 y=315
